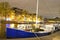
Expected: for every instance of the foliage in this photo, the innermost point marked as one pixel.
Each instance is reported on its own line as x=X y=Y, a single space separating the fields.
x=4 y=8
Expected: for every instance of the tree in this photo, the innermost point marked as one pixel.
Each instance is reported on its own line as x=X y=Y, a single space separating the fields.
x=5 y=9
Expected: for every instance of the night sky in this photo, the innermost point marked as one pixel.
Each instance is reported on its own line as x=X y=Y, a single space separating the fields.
x=47 y=8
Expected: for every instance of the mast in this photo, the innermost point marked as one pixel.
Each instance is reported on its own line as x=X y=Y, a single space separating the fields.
x=37 y=17
x=37 y=10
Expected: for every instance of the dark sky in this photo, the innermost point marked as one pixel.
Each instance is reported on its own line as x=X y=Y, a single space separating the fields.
x=47 y=8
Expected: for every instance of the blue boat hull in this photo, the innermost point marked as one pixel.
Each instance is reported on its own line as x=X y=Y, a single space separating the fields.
x=13 y=33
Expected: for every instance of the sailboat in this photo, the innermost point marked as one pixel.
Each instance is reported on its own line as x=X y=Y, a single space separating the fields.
x=19 y=33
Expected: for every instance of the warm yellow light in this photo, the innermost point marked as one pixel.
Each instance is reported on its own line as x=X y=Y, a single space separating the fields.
x=30 y=20
x=12 y=26
x=23 y=15
x=11 y=17
x=12 y=13
x=51 y=21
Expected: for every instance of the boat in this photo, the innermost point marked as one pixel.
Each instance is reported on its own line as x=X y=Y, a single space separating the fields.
x=14 y=33
x=22 y=33
x=26 y=32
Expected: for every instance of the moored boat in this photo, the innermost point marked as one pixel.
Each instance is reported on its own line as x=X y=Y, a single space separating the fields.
x=14 y=33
